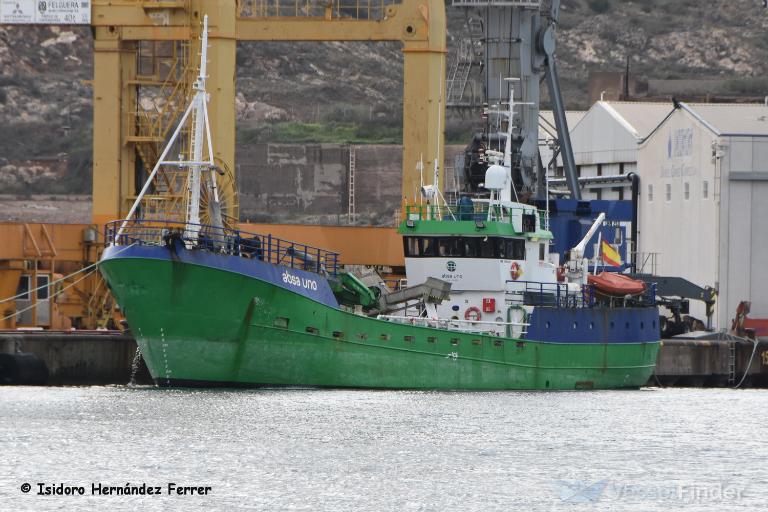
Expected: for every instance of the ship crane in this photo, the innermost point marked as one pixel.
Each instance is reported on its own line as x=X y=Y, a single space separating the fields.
x=520 y=41
x=577 y=265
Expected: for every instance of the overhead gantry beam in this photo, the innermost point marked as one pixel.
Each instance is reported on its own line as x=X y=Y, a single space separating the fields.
x=419 y=24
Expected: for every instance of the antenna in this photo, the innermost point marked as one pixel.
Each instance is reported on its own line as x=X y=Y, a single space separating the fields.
x=424 y=189
x=505 y=159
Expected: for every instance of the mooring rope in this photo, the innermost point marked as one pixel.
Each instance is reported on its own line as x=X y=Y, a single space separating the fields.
x=51 y=284
x=755 y=342
x=34 y=305
x=91 y=267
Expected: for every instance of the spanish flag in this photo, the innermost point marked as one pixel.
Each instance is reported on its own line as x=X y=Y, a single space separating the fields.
x=610 y=255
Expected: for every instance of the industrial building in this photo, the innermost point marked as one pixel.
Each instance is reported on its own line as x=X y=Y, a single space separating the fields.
x=703 y=170
x=605 y=142
x=704 y=180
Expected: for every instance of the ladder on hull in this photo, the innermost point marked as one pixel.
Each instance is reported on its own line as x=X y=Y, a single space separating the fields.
x=351 y=198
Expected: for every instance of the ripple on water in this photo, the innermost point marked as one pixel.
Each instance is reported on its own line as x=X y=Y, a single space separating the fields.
x=304 y=449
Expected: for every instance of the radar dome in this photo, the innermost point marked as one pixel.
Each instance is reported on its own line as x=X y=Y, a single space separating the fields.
x=496 y=177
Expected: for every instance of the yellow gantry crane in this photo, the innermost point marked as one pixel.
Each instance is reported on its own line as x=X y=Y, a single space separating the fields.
x=144 y=65
x=125 y=135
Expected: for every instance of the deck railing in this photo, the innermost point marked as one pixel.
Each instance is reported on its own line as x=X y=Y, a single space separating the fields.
x=233 y=242
x=534 y=293
x=467 y=212
x=357 y=10
x=532 y=4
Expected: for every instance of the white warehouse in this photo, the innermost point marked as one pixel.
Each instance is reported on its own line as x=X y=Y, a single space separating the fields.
x=703 y=210
x=605 y=142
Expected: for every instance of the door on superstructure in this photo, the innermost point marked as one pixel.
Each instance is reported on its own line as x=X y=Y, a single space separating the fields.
x=24 y=304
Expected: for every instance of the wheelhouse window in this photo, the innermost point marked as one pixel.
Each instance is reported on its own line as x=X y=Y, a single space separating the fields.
x=464 y=247
x=488 y=247
x=412 y=247
x=512 y=249
x=450 y=247
x=471 y=247
x=428 y=246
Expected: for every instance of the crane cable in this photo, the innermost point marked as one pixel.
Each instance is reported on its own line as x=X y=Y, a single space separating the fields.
x=91 y=268
x=23 y=294
x=34 y=305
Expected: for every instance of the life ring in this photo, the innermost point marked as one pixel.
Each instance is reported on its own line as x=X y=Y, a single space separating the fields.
x=515 y=270
x=473 y=314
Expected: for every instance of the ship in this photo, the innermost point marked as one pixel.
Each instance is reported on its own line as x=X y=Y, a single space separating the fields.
x=485 y=306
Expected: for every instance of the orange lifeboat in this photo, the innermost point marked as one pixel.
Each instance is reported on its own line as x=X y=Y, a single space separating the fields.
x=612 y=283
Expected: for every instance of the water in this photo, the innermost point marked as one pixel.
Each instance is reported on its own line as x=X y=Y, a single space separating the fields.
x=135 y=364
x=335 y=450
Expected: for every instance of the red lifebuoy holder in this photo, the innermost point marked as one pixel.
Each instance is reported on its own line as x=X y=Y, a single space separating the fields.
x=515 y=270
x=473 y=314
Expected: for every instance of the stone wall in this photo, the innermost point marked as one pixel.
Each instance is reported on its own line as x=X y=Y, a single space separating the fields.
x=284 y=182
x=309 y=183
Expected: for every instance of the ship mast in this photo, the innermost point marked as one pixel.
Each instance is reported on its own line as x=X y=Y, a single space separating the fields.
x=197 y=114
x=200 y=122
x=504 y=194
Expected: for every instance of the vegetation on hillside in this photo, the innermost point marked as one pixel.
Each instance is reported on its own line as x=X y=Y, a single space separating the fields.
x=352 y=92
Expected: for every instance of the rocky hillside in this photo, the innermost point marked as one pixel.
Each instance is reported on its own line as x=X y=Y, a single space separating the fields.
x=665 y=39
x=45 y=98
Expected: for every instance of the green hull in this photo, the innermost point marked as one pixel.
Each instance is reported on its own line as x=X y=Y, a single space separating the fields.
x=197 y=325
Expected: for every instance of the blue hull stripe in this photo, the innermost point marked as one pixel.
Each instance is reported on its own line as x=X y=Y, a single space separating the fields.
x=304 y=283
x=594 y=325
